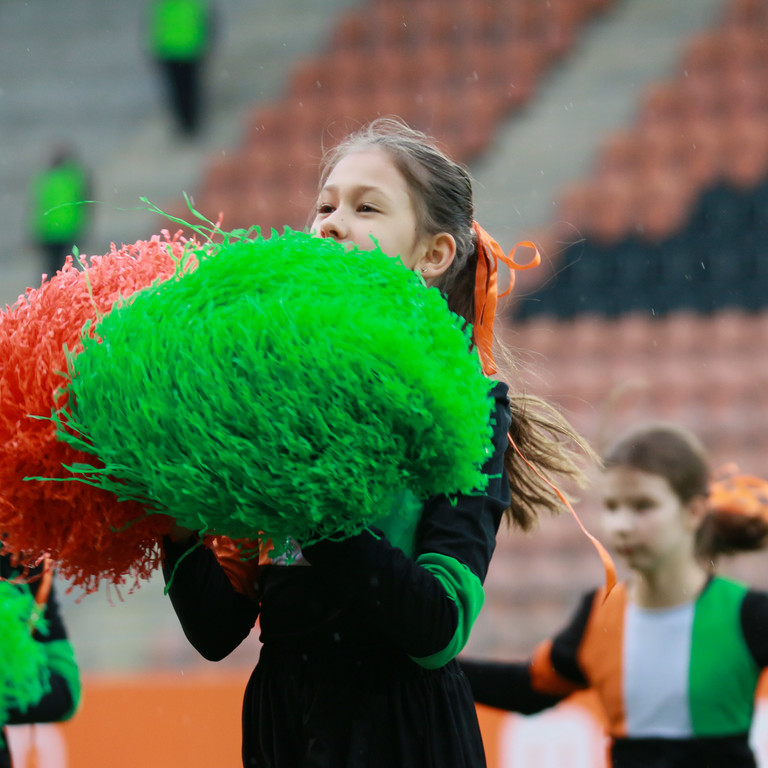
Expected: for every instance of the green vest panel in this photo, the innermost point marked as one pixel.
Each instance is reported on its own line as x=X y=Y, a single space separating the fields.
x=59 y=213
x=178 y=29
x=723 y=674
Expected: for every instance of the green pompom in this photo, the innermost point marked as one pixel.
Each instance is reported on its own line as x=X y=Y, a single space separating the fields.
x=24 y=674
x=287 y=388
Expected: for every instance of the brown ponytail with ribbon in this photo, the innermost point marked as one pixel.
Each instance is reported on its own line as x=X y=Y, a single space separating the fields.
x=736 y=519
x=489 y=254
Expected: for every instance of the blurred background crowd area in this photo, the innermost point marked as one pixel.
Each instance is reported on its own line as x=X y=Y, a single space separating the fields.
x=625 y=137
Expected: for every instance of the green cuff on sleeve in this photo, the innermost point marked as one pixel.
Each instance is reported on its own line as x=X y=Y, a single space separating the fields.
x=465 y=589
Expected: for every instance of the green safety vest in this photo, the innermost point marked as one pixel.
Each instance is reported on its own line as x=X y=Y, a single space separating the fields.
x=179 y=29
x=58 y=211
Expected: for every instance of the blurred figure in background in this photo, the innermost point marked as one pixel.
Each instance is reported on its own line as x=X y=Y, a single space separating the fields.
x=60 y=702
x=58 y=213
x=180 y=35
x=675 y=653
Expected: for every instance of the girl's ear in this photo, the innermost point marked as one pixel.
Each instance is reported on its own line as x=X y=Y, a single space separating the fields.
x=439 y=255
x=697 y=511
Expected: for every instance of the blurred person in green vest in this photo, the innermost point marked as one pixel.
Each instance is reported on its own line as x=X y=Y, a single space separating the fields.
x=180 y=34
x=58 y=211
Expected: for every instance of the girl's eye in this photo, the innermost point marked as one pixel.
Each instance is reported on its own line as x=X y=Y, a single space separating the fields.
x=609 y=505
x=366 y=208
x=643 y=505
x=324 y=208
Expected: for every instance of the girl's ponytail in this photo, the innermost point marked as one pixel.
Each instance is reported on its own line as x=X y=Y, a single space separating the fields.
x=737 y=517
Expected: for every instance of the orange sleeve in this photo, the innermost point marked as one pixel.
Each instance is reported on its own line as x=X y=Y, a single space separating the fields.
x=544 y=676
x=601 y=655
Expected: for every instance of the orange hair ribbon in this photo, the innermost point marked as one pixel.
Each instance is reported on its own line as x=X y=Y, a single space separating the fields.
x=489 y=254
x=740 y=495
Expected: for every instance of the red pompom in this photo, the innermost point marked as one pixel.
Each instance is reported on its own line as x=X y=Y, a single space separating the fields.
x=87 y=533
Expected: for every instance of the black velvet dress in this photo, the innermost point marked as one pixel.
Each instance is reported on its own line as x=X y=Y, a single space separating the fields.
x=357 y=666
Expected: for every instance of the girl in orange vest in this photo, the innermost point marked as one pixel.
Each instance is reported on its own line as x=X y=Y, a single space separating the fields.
x=674 y=654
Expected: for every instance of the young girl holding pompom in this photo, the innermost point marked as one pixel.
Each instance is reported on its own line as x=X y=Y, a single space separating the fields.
x=359 y=636
x=674 y=655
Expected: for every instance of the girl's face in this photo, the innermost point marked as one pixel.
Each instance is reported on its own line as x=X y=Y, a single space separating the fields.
x=645 y=521
x=366 y=196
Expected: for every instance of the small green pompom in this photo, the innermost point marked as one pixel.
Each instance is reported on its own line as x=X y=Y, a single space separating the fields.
x=287 y=388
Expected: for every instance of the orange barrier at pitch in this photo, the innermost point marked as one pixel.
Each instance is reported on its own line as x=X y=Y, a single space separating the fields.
x=164 y=720
x=148 y=721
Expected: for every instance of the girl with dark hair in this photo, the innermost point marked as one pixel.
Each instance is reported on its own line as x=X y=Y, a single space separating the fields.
x=359 y=636
x=674 y=654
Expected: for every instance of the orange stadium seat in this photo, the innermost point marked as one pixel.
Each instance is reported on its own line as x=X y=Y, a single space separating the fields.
x=590 y=337
x=618 y=156
x=351 y=31
x=613 y=209
x=663 y=146
x=437 y=22
x=731 y=333
x=308 y=76
x=662 y=102
x=662 y=201
x=683 y=334
x=561 y=23
x=222 y=173
x=746 y=96
x=393 y=25
x=747 y=49
x=748 y=13
x=703 y=147
x=538 y=337
x=636 y=335
x=528 y=21
x=262 y=123
x=573 y=209
x=744 y=152
x=705 y=55
x=483 y=21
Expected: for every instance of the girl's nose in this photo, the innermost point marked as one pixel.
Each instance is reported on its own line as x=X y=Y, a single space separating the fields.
x=333 y=226
x=622 y=521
